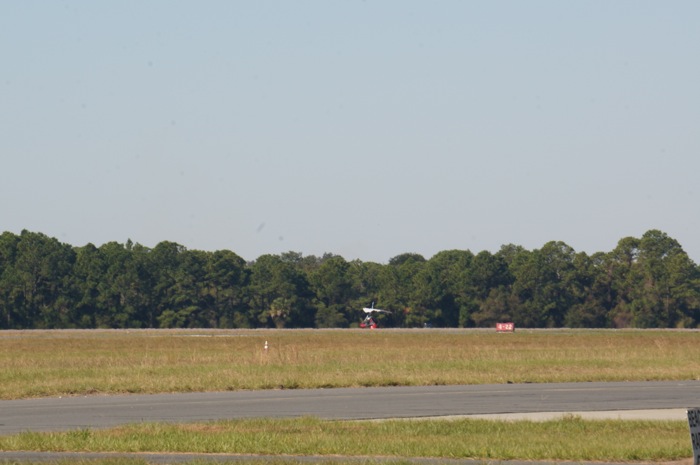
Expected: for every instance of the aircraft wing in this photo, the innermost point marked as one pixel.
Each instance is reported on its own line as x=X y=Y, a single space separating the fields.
x=370 y=310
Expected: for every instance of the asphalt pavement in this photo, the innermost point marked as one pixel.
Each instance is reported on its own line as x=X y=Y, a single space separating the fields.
x=667 y=400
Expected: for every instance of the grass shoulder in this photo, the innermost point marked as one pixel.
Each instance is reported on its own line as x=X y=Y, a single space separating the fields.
x=53 y=363
x=569 y=439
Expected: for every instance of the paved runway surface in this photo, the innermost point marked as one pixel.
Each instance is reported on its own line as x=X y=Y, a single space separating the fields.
x=366 y=403
x=155 y=458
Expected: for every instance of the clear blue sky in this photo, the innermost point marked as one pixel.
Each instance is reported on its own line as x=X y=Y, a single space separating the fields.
x=361 y=128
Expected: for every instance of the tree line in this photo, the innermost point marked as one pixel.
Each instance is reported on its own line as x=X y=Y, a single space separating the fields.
x=647 y=282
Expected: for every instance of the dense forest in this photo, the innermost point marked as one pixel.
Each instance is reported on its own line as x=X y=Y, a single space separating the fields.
x=644 y=282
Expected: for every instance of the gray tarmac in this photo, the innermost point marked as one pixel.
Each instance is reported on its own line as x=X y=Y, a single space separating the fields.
x=644 y=414
x=166 y=459
x=535 y=402
x=52 y=414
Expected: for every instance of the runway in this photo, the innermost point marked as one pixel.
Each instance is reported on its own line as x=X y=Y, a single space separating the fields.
x=666 y=399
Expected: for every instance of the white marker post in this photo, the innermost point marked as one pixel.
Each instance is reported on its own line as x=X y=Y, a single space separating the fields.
x=694 y=426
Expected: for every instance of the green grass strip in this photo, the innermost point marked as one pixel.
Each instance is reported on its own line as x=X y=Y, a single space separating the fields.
x=568 y=439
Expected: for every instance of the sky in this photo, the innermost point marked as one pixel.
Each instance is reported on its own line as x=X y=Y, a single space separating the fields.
x=365 y=129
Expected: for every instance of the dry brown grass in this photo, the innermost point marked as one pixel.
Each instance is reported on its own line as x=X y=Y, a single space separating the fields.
x=49 y=363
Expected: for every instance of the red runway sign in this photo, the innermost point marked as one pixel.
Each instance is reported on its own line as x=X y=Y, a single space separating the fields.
x=505 y=327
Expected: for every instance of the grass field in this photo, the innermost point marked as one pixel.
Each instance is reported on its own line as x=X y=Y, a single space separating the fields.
x=569 y=439
x=51 y=363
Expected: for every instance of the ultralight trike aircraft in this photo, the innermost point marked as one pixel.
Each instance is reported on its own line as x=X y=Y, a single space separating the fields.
x=369 y=322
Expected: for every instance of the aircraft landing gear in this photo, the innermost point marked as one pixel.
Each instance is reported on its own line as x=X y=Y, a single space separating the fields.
x=368 y=323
